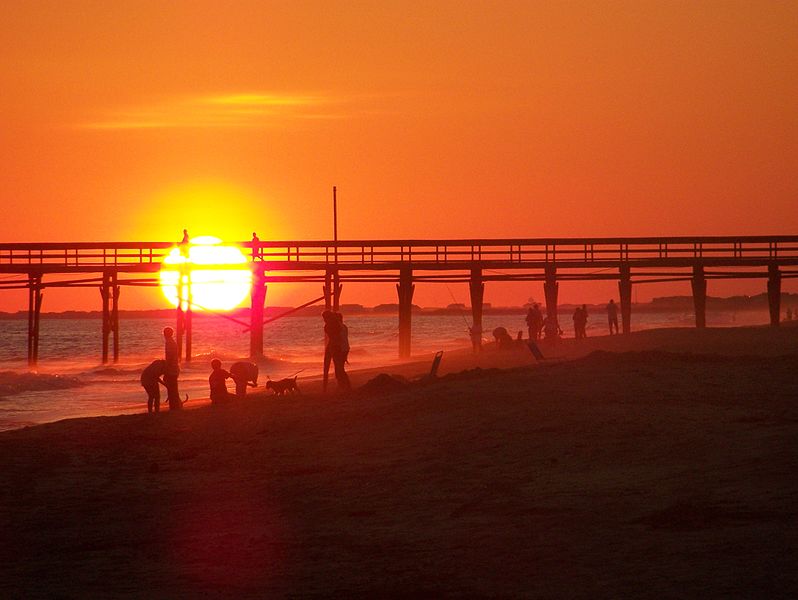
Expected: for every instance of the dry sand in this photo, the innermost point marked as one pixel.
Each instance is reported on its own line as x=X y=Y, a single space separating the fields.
x=661 y=464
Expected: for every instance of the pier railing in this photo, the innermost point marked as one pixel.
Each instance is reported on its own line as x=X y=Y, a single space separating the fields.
x=565 y=252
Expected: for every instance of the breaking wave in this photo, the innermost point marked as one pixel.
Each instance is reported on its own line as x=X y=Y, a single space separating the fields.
x=12 y=382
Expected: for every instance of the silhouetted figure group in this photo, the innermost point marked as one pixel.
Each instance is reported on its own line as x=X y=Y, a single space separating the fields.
x=580 y=322
x=243 y=373
x=336 y=349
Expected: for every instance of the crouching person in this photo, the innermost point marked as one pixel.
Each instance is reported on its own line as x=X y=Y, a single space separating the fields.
x=151 y=380
x=217 y=382
x=244 y=374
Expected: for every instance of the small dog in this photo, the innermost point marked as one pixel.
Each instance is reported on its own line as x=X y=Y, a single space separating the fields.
x=283 y=387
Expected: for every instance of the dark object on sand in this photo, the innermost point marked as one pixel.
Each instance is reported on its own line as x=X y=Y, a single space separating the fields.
x=283 y=387
x=503 y=339
x=244 y=374
x=385 y=383
x=533 y=348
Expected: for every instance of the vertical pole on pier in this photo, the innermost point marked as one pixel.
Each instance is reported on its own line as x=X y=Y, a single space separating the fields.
x=115 y=289
x=258 y=299
x=405 y=289
x=187 y=317
x=105 y=292
x=699 y=284
x=774 y=294
x=550 y=289
x=179 y=314
x=34 y=315
x=625 y=290
x=477 y=289
x=327 y=289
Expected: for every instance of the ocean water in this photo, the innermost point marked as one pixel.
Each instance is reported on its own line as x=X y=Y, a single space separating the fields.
x=70 y=380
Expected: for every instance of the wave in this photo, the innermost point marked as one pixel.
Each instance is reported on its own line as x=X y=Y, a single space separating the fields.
x=12 y=382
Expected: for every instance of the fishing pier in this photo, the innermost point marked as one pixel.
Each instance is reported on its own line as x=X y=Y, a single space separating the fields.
x=109 y=266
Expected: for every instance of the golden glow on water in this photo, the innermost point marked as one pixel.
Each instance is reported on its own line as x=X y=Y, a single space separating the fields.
x=214 y=289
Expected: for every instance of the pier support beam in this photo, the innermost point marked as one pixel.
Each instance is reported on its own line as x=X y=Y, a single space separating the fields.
x=332 y=290
x=258 y=299
x=34 y=314
x=625 y=291
x=774 y=294
x=550 y=289
x=699 y=284
x=109 y=290
x=187 y=317
x=477 y=289
x=405 y=289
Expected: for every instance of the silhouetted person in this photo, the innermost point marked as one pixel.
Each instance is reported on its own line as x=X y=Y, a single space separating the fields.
x=344 y=337
x=151 y=380
x=172 y=369
x=612 y=316
x=580 y=322
x=334 y=349
x=244 y=374
x=255 y=242
x=184 y=243
x=504 y=340
x=219 y=394
x=534 y=321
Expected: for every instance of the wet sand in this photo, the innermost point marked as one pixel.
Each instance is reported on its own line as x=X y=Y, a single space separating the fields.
x=660 y=464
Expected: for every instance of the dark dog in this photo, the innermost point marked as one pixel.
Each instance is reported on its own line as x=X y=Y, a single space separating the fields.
x=283 y=386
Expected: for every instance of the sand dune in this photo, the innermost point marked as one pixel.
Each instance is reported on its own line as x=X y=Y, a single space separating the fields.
x=660 y=464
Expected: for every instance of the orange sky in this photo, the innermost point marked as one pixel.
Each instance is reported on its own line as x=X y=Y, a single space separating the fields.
x=130 y=120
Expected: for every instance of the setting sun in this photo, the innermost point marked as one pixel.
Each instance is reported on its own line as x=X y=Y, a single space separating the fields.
x=208 y=288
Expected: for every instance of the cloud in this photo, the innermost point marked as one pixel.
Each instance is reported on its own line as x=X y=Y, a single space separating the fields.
x=240 y=110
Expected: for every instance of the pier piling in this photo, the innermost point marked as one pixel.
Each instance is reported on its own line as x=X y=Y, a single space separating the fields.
x=258 y=299
x=699 y=284
x=405 y=289
x=550 y=290
x=774 y=294
x=477 y=289
x=625 y=291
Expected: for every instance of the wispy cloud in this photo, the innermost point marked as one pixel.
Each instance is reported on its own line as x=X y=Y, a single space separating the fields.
x=223 y=110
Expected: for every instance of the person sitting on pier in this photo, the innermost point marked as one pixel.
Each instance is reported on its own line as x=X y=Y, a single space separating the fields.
x=333 y=332
x=172 y=369
x=217 y=382
x=151 y=380
x=244 y=374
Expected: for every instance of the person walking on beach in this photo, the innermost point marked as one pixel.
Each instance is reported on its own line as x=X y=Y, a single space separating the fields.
x=244 y=374
x=612 y=315
x=217 y=383
x=151 y=380
x=534 y=321
x=172 y=359
x=334 y=349
x=344 y=338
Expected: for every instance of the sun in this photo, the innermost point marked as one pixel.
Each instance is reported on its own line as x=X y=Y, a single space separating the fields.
x=208 y=289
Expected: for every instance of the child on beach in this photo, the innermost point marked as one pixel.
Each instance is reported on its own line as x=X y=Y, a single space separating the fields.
x=244 y=374
x=219 y=394
x=151 y=379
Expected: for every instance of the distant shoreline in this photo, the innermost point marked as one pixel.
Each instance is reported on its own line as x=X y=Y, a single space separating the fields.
x=664 y=304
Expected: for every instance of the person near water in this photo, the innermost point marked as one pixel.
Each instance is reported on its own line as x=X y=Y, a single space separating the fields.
x=172 y=359
x=151 y=380
x=612 y=316
x=244 y=374
x=217 y=383
x=534 y=321
x=344 y=337
x=334 y=349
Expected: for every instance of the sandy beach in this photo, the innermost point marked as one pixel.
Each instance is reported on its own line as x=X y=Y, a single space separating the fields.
x=660 y=464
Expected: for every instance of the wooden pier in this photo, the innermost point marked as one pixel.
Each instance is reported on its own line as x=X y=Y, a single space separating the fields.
x=110 y=266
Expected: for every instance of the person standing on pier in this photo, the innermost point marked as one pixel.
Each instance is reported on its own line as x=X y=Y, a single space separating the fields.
x=612 y=315
x=255 y=242
x=172 y=369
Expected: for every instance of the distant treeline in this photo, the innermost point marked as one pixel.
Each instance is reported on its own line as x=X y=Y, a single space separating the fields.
x=664 y=304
